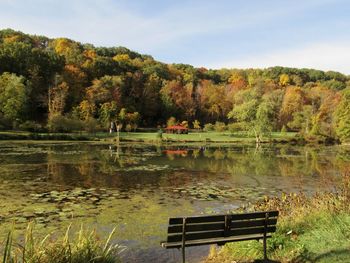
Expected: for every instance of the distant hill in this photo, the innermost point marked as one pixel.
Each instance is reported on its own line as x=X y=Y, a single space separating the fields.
x=43 y=79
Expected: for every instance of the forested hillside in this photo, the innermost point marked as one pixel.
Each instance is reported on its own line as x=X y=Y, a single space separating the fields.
x=61 y=84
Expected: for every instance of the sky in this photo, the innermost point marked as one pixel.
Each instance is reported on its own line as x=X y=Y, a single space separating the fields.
x=204 y=33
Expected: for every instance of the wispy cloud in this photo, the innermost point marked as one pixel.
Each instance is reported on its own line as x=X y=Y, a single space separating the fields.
x=108 y=22
x=324 y=56
x=214 y=33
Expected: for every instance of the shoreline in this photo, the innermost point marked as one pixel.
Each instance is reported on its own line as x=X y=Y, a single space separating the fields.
x=203 y=138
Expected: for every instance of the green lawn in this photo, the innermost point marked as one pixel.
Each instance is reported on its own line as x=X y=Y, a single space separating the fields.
x=151 y=137
x=202 y=137
x=321 y=237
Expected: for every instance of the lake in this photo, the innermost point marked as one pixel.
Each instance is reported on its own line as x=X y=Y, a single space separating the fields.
x=136 y=188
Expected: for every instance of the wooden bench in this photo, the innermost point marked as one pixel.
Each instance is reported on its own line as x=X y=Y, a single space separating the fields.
x=220 y=229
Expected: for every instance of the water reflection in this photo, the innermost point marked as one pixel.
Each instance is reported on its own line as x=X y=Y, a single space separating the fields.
x=138 y=187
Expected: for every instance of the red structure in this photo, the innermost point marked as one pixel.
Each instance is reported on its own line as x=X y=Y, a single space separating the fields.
x=176 y=129
x=176 y=152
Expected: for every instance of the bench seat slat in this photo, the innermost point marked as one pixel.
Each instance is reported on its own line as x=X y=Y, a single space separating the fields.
x=196 y=227
x=220 y=226
x=197 y=219
x=220 y=233
x=252 y=223
x=221 y=241
x=255 y=215
x=221 y=218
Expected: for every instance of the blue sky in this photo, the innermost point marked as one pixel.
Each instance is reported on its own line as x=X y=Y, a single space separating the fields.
x=213 y=34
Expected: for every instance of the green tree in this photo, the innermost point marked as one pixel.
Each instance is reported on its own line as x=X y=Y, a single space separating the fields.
x=302 y=120
x=107 y=113
x=13 y=96
x=341 y=116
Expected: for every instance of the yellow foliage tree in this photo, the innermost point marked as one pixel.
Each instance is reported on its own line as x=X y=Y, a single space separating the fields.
x=284 y=80
x=86 y=109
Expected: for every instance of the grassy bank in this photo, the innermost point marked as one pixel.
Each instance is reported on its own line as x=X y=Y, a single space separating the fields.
x=206 y=137
x=81 y=247
x=155 y=138
x=151 y=137
x=310 y=229
x=81 y=136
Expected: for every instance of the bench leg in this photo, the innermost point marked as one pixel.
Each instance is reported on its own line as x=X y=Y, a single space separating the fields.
x=265 y=232
x=265 y=252
x=183 y=239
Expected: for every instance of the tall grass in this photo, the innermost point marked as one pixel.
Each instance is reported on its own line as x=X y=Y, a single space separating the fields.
x=83 y=247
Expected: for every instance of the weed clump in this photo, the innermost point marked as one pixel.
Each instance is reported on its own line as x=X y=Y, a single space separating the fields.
x=81 y=247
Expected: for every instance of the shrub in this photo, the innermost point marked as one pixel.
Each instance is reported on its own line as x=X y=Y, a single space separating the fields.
x=59 y=123
x=220 y=126
x=5 y=123
x=31 y=126
x=128 y=127
x=84 y=247
x=91 y=125
x=160 y=134
x=208 y=127
x=235 y=127
x=171 y=121
x=184 y=124
x=284 y=129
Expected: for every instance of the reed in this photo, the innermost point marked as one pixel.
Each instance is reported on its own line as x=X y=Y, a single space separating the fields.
x=83 y=246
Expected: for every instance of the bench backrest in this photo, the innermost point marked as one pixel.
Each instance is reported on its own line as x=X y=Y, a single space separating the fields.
x=221 y=226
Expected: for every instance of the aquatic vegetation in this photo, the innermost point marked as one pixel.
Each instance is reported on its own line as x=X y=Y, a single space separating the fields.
x=147 y=168
x=210 y=192
x=75 y=195
x=46 y=208
x=84 y=246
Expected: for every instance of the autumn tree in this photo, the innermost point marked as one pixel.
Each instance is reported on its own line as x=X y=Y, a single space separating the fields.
x=71 y=50
x=77 y=81
x=293 y=101
x=238 y=79
x=177 y=99
x=86 y=110
x=284 y=80
x=212 y=100
x=58 y=96
x=196 y=125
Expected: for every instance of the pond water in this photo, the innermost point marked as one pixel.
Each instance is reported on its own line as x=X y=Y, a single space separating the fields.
x=136 y=188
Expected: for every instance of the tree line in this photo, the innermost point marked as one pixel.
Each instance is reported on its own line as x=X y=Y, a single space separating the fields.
x=62 y=85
